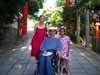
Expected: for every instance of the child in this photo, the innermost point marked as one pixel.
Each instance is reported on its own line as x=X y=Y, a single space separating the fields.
x=65 y=41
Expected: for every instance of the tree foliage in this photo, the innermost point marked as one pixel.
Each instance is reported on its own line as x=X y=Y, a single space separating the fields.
x=93 y=3
x=34 y=5
x=11 y=8
x=60 y=2
x=55 y=17
x=8 y=10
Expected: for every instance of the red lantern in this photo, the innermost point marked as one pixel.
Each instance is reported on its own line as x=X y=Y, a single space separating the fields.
x=97 y=29
x=97 y=32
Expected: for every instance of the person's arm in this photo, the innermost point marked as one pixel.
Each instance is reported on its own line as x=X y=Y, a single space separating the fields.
x=42 y=47
x=35 y=27
x=68 y=48
x=46 y=25
x=33 y=34
x=69 y=45
x=59 y=47
x=58 y=44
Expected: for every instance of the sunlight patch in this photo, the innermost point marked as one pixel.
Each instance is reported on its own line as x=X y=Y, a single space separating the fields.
x=82 y=54
x=23 y=48
x=13 y=50
x=19 y=66
x=29 y=48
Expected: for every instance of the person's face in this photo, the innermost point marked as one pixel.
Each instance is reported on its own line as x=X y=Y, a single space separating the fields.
x=42 y=19
x=52 y=32
x=62 y=32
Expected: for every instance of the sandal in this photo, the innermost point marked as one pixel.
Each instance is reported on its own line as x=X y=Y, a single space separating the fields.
x=65 y=72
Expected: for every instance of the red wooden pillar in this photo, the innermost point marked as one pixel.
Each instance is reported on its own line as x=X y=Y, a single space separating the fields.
x=24 y=18
x=67 y=3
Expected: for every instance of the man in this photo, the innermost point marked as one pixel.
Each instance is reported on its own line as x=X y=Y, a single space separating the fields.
x=49 y=45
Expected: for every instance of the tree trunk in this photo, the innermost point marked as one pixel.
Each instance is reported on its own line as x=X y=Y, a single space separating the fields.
x=87 y=28
x=78 y=26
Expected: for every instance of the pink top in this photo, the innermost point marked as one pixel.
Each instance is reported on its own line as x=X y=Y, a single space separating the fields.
x=64 y=41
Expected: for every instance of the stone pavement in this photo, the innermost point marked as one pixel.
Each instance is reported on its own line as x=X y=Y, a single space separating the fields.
x=84 y=62
x=17 y=60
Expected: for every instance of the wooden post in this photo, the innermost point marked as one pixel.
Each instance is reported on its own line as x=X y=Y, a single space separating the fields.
x=67 y=3
x=24 y=18
x=78 y=26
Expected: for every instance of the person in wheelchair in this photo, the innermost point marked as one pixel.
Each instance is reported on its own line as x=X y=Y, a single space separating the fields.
x=49 y=46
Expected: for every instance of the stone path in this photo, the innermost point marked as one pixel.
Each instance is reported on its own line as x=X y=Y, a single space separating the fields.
x=84 y=62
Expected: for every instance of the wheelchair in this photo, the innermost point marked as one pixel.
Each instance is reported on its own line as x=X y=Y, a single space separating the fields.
x=56 y=63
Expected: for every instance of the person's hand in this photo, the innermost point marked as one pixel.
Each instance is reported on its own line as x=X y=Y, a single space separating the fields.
x=67 y=53
x=45 y=52
x=59 y=53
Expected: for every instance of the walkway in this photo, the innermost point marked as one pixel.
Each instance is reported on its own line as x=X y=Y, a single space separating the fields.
x=84 y=62
x=17 y=60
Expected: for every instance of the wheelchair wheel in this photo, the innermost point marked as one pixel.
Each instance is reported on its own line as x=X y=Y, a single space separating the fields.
x=36 y=72
x=60 y=68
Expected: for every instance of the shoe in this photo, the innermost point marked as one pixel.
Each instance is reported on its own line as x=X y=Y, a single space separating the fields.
x=65 y=72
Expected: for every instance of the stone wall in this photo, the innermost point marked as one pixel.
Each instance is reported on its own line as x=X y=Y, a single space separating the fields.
x=9 y=34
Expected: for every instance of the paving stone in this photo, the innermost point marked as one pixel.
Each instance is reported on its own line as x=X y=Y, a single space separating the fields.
x=18 y=69
x=79 y=73
x=77 y=70
x=4 y=69
x=30 y=69
x=22 y=61
x=87 y=61
x=87 y=65
x=92 y=70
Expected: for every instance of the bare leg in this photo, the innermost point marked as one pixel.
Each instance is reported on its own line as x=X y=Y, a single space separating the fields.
x=65 y=66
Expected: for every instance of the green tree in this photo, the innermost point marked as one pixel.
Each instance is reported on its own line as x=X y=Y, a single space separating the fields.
x=8 y=10
x=55 y=17
x=34 y=5
x=60 y=2
x=83 y=2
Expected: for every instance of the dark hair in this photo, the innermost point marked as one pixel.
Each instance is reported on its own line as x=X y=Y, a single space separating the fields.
x=62 y=29
x=41 y=16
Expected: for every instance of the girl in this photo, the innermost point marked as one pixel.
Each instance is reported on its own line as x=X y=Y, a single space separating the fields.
x=39 y=34
x=65 y=41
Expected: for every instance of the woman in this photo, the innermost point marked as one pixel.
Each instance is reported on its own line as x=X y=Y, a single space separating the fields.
x=65 y=50
x=39 y=34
